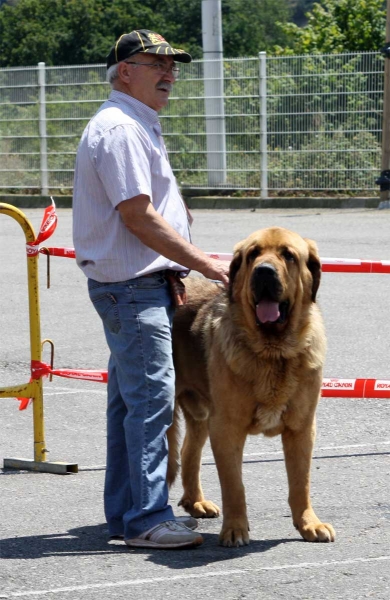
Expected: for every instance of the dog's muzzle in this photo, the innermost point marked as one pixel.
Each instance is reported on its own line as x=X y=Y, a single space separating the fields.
x=267 y=291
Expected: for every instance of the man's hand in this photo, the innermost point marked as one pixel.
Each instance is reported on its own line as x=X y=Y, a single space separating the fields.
x=218 y=270
x=141 y=219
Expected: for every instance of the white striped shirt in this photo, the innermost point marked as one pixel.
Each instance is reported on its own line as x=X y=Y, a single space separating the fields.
x=121 y=155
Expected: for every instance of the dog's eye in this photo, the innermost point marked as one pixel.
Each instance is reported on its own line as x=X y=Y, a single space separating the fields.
x=252 y=254
x=289 y=256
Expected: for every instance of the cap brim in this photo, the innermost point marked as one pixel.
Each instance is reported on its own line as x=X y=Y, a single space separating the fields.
x=178 y=55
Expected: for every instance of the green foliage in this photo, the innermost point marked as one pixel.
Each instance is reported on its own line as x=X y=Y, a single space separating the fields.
x=338 y=26
x=251 y=26
x=71 y=32
x=300 y=9
x=61 y=32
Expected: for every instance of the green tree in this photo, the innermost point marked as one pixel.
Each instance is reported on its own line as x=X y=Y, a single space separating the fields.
x=69 y=32
x=250 y=26
x=63 y=32
x=338 y=26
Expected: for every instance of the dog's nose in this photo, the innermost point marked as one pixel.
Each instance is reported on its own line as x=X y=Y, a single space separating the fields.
x=265 y=279
x=266 y=270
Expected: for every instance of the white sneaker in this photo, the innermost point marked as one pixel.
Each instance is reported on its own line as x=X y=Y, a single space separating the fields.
x=186 y=520
x=169 y=534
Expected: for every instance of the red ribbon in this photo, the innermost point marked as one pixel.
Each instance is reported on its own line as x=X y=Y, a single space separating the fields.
x=48 y=227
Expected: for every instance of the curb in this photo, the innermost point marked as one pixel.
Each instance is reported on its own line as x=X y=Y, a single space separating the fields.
x=36 y=201
x=219 y=202
x=225 y=202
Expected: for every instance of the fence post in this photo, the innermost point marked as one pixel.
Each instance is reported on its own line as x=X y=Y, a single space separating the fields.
x=42 y=127
x=214 y=91
x=263 y=123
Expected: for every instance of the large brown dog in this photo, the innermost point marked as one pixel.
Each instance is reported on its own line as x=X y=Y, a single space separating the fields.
x=249 y=360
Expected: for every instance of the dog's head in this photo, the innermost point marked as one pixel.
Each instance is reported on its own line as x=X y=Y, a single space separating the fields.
x=274 y=277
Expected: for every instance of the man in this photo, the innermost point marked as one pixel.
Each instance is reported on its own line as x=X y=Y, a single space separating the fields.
x=131 y=227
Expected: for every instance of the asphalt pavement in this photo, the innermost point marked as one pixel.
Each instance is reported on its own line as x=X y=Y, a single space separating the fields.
x=53 y=540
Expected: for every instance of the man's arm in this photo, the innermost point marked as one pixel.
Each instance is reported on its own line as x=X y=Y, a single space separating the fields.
x=140 y=217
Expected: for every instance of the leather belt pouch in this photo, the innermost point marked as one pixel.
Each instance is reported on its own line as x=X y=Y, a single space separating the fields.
x=177 y=287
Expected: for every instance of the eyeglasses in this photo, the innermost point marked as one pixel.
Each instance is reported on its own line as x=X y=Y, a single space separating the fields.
x=160 y=68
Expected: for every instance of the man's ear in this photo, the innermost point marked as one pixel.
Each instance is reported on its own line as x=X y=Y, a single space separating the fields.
x=123 y=71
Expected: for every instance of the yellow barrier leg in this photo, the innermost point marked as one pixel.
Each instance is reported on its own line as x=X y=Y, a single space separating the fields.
x=33 y=389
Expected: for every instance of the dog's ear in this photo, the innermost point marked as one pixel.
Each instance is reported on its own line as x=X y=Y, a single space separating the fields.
x=314 y=266
x=234 y=268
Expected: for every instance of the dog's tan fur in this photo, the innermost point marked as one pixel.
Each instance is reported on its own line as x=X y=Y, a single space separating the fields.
x=236 y=377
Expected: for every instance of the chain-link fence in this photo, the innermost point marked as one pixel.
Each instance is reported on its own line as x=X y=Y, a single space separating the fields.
x=282 y=124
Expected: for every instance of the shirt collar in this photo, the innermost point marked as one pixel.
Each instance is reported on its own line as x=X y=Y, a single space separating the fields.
x=144 y=112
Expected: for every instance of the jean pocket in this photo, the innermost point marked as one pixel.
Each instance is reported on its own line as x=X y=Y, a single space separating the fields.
x=106 y=306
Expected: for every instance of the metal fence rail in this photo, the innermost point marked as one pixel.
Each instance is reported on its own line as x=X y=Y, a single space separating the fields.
x=283 y=123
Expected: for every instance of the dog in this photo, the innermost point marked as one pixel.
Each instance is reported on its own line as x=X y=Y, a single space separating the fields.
x=249 y=360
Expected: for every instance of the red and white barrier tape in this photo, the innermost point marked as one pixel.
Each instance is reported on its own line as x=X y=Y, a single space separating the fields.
x=355 y=388
x=331 y=387
x=64 y=252
x=335 y=265
x=329 y=265
x=40 y=369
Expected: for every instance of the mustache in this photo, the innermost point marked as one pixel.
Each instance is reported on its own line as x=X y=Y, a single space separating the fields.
x=165 y=85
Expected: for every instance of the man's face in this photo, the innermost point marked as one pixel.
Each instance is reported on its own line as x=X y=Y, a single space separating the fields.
x=149 y=85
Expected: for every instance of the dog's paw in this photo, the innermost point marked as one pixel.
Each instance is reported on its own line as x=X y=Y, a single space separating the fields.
x=204 y=509
x=234 y=537
x=317 y=532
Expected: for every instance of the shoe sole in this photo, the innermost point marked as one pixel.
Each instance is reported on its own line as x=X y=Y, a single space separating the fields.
x=139 y=543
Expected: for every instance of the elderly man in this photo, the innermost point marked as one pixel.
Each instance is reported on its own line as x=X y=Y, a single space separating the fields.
x=131 y=230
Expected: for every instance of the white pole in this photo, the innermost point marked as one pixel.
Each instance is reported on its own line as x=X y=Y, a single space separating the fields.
x=42 y=127
x=214 y=91
x=384 y=195
x=263 y=123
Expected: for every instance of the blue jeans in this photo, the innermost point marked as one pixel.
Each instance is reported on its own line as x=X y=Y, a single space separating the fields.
x=137 y=317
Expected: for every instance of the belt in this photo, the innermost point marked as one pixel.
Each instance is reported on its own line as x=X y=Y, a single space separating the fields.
x=162 y=273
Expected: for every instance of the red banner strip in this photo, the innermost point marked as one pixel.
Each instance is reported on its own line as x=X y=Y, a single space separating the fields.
x=40 y=369
x=64 y=252
x=349 y=266
x=356 y=388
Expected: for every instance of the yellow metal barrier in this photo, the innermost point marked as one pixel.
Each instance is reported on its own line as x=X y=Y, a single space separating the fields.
x=33 y=389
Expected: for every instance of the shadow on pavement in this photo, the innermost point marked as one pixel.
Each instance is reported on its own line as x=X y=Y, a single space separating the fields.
x=93 y=539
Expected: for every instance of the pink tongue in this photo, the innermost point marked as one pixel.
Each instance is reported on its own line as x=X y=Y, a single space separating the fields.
x=267 y=311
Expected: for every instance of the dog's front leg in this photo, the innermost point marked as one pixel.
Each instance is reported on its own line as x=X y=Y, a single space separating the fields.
x=228 y=445
x=193 y=500
x=298 y=448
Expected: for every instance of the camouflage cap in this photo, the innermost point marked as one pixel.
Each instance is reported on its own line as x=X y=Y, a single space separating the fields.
x=144 y=41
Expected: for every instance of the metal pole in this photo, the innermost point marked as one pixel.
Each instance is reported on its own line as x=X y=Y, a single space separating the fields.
x=214 y=91
x=384 y=179
x=33 y=389
x=42 y=127
x=263 y=123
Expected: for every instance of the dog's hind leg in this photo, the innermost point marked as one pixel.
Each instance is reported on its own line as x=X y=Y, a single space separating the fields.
x=193 y=500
